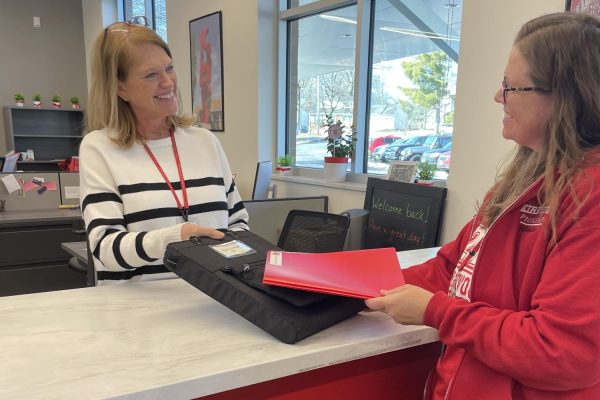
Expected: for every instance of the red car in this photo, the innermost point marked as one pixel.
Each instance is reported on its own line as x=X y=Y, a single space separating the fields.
x=443 y=161
x=381 y=140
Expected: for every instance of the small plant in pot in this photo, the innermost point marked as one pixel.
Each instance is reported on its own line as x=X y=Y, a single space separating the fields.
x=340 y=144
x=19 y=99
x=425 y=173
x=284 y=164
x=37 y=100
x=75 y=102
x=56 y=101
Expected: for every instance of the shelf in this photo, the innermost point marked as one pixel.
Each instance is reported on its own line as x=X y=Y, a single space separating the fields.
x=49 y=136
x=45 y=109
x=52 y=133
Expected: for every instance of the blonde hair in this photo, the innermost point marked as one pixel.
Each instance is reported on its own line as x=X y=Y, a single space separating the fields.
x=563 y=53
x=111 y=61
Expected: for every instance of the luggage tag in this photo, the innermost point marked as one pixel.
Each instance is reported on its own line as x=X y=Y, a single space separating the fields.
x=235 y=248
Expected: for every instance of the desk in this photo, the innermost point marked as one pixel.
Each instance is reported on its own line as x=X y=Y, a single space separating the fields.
x=31 y=256
x=166 y=340
x=77 y=250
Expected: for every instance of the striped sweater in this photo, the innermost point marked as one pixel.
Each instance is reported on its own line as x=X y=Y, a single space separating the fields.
x=130 y=213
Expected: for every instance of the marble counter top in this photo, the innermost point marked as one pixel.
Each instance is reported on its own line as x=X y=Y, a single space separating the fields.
x=166 y=340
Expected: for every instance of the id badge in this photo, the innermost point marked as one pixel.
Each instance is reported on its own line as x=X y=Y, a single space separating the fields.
x=232 y=249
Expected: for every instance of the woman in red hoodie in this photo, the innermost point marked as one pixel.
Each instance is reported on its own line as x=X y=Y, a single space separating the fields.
x=516 y=297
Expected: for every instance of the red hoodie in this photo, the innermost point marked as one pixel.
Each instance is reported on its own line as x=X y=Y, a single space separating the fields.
x=524 y=318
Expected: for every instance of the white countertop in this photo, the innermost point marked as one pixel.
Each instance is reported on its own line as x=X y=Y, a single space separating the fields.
x=166 y=340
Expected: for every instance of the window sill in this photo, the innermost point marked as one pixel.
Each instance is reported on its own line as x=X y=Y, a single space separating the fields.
x=354 y=182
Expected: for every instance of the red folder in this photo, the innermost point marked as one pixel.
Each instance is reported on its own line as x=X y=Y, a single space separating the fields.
x=358 y=273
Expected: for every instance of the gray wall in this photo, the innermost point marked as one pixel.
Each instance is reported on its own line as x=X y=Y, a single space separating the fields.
x=47 y=60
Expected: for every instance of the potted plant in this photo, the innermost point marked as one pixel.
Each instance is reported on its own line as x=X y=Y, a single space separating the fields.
x=340 y=144
x=19 y=99
x=56 y=101
x=75 y=102
x=37 y=100
x=284 y=164
x=426 y=173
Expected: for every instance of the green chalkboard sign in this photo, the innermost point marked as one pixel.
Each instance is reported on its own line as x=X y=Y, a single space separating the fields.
x=402 y=215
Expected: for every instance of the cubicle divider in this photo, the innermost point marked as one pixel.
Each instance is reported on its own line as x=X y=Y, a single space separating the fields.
x=31 y=196
x=267 y=216
x=39 y=190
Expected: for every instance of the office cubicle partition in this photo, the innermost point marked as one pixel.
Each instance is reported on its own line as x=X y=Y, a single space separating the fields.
x=267 y=216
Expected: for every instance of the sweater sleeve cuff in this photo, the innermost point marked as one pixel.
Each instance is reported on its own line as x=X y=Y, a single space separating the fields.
x=161 y=238
x=436 y=309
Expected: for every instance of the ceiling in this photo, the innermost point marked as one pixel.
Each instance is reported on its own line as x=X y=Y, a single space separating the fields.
x=326 y=42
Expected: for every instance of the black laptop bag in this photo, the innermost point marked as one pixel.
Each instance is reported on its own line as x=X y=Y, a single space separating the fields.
x=289 y=315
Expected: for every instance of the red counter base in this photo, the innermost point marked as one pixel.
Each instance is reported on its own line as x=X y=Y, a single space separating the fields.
x=397 y=375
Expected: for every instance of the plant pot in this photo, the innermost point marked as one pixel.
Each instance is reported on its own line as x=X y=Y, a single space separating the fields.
x=283 y=170
x=37 y=104
x=425 y=182
x=19 y=104
x=335 y=169
x=56 y=104
x=75 y=106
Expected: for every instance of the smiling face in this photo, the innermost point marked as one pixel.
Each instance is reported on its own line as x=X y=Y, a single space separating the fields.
x=150 y=85
x=526 y=113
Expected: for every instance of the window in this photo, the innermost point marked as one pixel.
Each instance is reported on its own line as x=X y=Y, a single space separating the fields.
x=387 y=67
x=154 y=10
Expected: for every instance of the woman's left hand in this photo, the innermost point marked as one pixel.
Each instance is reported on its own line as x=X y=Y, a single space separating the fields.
x=405 y=304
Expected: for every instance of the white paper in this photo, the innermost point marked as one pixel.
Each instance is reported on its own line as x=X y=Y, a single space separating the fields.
x=10 y=183
x=276 y=258
x=10 y=162
x=71 y=192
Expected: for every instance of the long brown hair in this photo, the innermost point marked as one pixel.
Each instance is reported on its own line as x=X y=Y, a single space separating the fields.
x=563 y=54
x=111 y=61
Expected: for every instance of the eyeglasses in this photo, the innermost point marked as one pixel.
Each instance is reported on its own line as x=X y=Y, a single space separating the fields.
x=125 y=26
x=505 y=88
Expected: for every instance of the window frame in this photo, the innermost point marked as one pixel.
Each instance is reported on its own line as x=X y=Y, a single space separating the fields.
x=362 y=80
x=361 y=75
x=150 y=13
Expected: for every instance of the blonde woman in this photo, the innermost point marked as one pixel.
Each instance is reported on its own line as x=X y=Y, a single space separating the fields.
x=147 y=177
x=516 y=297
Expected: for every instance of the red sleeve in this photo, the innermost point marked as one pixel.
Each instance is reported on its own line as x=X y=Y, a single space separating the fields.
x=552 y=346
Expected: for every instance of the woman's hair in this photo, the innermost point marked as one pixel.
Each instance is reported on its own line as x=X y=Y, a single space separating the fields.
x=111 y=61
x=562 y=51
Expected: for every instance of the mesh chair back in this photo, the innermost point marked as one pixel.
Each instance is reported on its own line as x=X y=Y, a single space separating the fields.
x=313 y=232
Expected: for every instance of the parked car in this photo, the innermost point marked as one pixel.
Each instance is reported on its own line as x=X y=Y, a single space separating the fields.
x=431 y=156
x=380 y=141
x=392 y=151
x=413 y=153
x=443 y=161
x=378 y=153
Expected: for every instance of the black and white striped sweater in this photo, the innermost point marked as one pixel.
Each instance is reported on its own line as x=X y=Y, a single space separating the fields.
x=130 y=213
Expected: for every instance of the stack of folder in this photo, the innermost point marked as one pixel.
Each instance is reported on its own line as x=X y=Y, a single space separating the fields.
x=359 y=273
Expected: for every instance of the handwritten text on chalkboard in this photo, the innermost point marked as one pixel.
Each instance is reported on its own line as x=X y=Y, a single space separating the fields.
x=402 y=215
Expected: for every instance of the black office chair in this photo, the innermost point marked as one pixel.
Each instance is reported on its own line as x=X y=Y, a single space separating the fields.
x=313 y=232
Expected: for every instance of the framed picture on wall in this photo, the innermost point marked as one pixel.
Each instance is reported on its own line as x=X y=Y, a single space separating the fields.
x=589 y=6
x=402 y=171
x=206 y=56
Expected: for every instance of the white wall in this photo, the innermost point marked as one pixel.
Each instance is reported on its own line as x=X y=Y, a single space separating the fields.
x=248 y=76
x=488 y=30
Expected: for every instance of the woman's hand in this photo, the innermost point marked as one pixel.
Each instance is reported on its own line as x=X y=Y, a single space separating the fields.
x=189 y=230
x=405 y=304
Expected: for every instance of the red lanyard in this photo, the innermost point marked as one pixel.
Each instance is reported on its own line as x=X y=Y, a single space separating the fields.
x=185 y=210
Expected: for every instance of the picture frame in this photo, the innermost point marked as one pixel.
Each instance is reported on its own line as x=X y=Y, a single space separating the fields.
x=589 y=6
x=206 y=59
x=402 y=171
